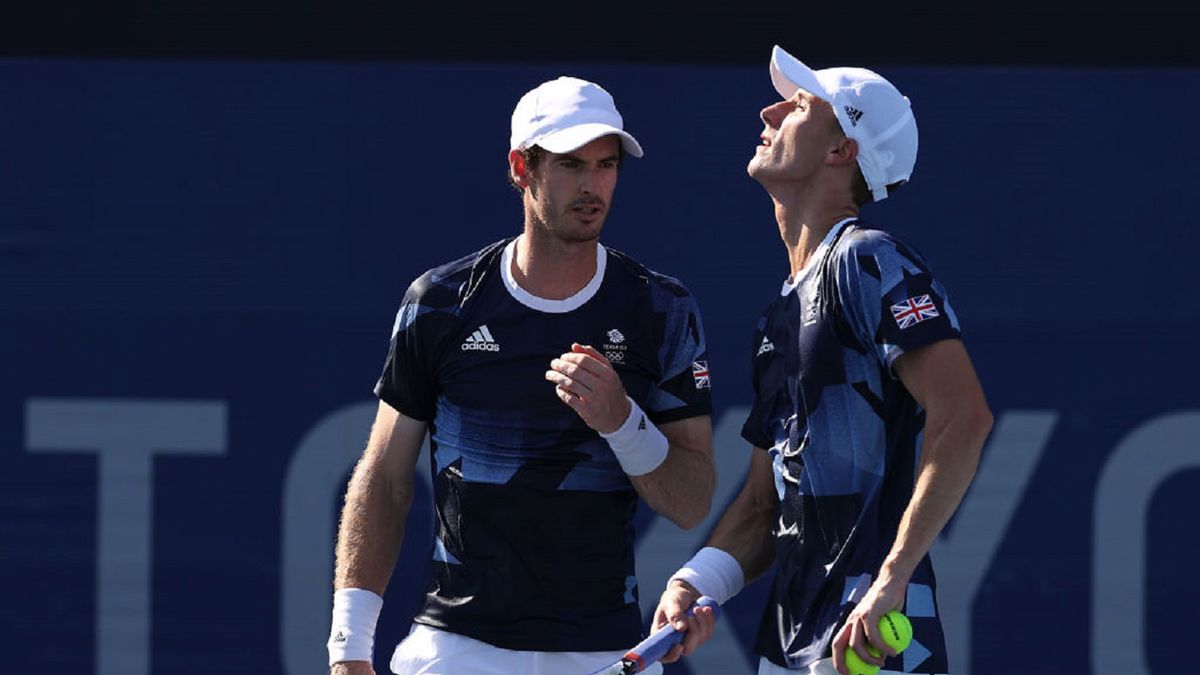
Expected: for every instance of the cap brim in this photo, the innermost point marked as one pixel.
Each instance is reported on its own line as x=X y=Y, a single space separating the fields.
x=788 y=74
x=573 y=138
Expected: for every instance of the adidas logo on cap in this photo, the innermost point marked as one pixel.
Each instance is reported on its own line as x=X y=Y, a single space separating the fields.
x=854 y=114
x=481 y=341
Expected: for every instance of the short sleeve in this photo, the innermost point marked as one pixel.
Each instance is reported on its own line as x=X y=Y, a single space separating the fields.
x=408 y=382
x=890 y=297
x=684 y=387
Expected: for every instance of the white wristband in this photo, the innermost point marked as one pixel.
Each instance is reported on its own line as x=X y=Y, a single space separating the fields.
x=352 y=637
x=714 y=573
x=639 y=446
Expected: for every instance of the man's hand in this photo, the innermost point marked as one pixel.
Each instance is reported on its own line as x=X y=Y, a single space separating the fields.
x=862 y=626
x=586 y=382
x=672 y=608
x=352 y=668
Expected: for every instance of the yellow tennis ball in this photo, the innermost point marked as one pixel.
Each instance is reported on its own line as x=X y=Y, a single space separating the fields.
x=859 y=667
x=896 y=630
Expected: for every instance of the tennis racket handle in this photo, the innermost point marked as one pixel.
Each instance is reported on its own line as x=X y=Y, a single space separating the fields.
x=660 y=642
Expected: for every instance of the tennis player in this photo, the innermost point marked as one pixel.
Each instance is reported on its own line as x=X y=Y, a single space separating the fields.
x=868 y=418
x=559 y=380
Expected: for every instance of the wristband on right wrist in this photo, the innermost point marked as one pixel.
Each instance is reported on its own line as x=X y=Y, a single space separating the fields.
x=352 y=635
x=712 y=572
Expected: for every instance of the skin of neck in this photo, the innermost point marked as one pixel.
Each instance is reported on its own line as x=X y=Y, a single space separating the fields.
x=806 y=214
x=548 y=267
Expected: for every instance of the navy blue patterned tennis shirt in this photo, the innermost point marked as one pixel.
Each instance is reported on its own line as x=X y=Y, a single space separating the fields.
x=844 y=437
x=534 y=535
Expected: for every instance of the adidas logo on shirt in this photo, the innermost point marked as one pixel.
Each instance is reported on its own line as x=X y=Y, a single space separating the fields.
x=481 y=341
x=766 y=346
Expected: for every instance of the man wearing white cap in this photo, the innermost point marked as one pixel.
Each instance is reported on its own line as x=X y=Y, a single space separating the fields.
x=559 y=381
x=868 y=418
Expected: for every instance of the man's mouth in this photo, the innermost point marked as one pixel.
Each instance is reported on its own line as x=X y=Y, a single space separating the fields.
x=587 y=209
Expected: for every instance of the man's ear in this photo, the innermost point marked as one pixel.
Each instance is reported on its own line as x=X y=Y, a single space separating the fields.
x=844 y=152
x=518 y=169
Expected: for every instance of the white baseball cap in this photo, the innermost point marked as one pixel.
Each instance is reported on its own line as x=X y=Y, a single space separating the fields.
x=567 y=113
x=870 y=110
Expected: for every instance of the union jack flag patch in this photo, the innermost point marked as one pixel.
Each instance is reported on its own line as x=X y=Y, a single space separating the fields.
x=913 y=311
x=700 y=374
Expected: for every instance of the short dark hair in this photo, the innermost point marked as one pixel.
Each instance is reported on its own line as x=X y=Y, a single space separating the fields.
x=859 y=189
x=535 y=153
x=862 y=194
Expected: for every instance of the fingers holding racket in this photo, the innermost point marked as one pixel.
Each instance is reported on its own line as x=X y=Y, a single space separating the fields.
x=697 y=629
x=662 y=641
x=678 y=607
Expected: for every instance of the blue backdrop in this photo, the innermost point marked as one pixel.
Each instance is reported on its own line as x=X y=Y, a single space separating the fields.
x=200 y=264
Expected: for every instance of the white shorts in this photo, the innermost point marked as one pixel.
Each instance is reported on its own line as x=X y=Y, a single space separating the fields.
x=822 y=667
x=429 y=651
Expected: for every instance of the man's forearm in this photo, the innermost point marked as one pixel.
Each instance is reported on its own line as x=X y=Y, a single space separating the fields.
x=371 y=530
x=744 y=532
x=949 y=458
x=743 y=540
x=369 y=536
x=681 y=488
x=745 y=529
